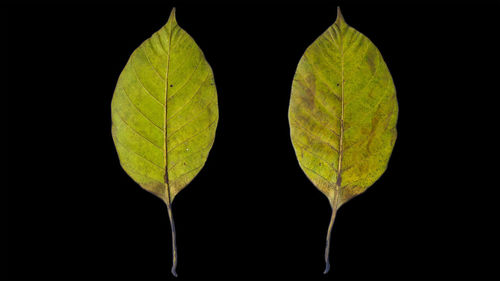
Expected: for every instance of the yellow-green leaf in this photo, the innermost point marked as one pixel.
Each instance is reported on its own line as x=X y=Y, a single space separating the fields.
x=165 y=113
x=343 y=113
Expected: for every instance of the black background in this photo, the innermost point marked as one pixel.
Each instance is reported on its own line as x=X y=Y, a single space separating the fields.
x=251 y=212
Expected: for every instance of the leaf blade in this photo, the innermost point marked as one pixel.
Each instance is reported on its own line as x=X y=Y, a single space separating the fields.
x=343 y=112
x=165 y=114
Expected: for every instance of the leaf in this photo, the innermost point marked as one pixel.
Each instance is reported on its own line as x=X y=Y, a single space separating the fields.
x=343 y=113
x=165 y=113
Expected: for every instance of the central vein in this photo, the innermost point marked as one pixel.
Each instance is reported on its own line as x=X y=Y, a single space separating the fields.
x=169 y=29
x=339 y=171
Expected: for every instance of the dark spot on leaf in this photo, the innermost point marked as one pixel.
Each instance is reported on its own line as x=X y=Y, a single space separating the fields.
x=338 y=84
x=171 y=85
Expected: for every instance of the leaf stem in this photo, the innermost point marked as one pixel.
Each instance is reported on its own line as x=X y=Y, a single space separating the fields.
x=329 y=234
x=174 y=244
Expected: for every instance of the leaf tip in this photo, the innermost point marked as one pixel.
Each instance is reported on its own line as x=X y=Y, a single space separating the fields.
x=172 y=16
x=340 y=19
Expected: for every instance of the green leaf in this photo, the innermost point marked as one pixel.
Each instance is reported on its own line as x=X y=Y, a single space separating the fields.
x=343 y=113
x=165 y=113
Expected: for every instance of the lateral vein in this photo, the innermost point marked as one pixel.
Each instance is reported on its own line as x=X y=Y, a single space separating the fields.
x=138 y=110
x=134 y=130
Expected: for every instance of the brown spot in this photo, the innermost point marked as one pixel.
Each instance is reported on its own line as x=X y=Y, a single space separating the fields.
x=371 y=57
x=370 y=94
x=346 y=169
x=388 y=118
x=339 y=180
x=375 y=121
x=348 y=192
x=309 y=94
x=155 y=188
x=365 y=131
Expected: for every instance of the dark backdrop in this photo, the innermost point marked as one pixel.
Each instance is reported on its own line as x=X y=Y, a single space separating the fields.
x=251 y=212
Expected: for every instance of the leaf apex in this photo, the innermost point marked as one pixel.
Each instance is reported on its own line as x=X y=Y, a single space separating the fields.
x=340 y=19
x=172 y=16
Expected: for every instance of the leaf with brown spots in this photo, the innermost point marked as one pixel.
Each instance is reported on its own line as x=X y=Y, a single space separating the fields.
x=164 y=112
x=343 y=113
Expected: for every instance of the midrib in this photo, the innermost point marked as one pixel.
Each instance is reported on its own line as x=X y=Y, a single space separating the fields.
x=341 y=138
x=166 y=179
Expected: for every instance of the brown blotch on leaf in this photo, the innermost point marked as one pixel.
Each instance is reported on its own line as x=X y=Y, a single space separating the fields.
x=309 y=94
x=371 y=57
x=154 y=188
